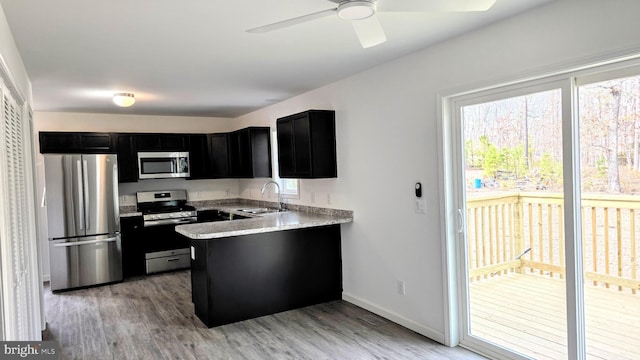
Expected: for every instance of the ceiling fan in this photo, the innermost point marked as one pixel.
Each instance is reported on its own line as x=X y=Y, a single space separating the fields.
x=362 y=14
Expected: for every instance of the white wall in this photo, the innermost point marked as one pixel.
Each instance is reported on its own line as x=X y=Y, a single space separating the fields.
x=387 y=136
x=11 y=57
x=197 y=189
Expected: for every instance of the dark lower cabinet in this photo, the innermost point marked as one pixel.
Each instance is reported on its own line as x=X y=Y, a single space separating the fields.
x=132 y=246
x=244 y=277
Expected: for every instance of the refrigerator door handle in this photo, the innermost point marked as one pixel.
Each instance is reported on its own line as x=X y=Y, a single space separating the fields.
x=88 y=242
x=87 y=200
x=80 y=189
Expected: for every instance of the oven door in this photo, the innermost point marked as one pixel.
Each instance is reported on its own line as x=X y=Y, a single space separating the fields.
x=162 y=165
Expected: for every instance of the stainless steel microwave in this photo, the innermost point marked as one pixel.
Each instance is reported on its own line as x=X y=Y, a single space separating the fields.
x=163 y=165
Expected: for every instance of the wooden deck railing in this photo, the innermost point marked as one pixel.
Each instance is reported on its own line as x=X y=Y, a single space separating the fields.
x=523 y=232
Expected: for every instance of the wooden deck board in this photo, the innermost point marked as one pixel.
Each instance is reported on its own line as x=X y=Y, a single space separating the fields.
x=527 y=313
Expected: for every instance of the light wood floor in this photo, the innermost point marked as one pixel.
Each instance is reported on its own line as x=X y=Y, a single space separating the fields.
x=527 y=313
x=152 y=318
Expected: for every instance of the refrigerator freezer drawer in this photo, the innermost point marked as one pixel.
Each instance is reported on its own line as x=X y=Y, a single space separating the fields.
x=85 y=261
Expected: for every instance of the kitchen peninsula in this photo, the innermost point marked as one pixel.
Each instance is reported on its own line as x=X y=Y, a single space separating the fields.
x=265 y=264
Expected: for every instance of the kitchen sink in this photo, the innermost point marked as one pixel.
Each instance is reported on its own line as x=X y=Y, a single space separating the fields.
x=259 y=211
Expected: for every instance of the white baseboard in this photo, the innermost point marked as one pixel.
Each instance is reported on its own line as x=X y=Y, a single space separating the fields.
x=398 y=319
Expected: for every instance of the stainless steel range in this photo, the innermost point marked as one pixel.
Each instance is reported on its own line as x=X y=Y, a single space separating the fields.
x=165 y=207
x=161 y=212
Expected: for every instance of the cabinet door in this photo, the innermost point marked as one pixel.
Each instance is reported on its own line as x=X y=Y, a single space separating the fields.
x=162 y=142
x=132 y=246
x=240 y=153
x=199 y=157
x=148 y=142
x=260 y=152
x=95 y=142
x=75 y=143
x=127 y=158
x=284 y=130
x=302 y=146
x=174 y=142
x=57 y=142
x=219 y=155
x=322 y=133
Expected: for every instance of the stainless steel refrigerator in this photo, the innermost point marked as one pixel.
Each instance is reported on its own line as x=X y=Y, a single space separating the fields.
x=83 y=220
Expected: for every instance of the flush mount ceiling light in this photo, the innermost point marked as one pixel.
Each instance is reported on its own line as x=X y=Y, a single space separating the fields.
x=356 y=10
x=124 y=99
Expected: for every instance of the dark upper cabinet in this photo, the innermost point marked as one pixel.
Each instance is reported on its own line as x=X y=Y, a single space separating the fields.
x=250 y=153
x=162 y=142
x=307 y=145
x=127 y=157
x=219 y=155
x=76 y=142
x=199 y=156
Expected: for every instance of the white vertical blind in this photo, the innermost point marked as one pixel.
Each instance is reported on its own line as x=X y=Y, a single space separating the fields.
x=18 y=254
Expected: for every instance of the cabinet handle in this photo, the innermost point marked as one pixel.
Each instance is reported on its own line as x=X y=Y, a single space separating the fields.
x=173 y=259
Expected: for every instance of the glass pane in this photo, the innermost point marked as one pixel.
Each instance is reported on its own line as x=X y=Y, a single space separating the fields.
x=514 y=237
x=609 y=159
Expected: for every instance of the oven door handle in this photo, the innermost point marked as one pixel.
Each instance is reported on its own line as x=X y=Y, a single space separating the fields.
x=169 y=222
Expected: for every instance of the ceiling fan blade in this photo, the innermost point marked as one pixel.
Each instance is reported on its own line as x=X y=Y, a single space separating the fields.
x=433 y=5
x=294 y=21
x=369 y=31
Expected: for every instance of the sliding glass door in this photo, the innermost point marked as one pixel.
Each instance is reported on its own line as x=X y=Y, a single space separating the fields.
x=514 y=249
x=609 y=118
x=547 y=186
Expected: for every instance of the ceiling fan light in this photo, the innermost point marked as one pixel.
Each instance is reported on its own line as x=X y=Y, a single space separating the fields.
x=356 y=10
x=124 y=99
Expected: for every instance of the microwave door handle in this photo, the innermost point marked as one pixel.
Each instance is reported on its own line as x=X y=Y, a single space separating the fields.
x=80 y=188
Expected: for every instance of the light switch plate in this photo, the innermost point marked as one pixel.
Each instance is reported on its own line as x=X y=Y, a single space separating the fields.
x=420 y=206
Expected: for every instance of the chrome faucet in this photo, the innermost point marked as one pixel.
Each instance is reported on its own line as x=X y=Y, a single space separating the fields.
x=264 y=187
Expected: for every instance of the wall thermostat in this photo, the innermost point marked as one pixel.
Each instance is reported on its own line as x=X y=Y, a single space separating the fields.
x=418 y=190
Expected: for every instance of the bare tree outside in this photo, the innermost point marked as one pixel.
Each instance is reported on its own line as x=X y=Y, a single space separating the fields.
x=515 y=143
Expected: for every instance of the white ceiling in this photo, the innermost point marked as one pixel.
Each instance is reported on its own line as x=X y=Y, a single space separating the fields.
x=195 y=58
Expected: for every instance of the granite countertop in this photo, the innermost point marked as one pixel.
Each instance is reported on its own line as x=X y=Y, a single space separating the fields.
x=291 y=219
x=295 y=218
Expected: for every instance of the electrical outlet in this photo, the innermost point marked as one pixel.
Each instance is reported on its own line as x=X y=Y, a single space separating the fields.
x=227 y=192
x=401 y=288
x=329 y=198
x=313 y=197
